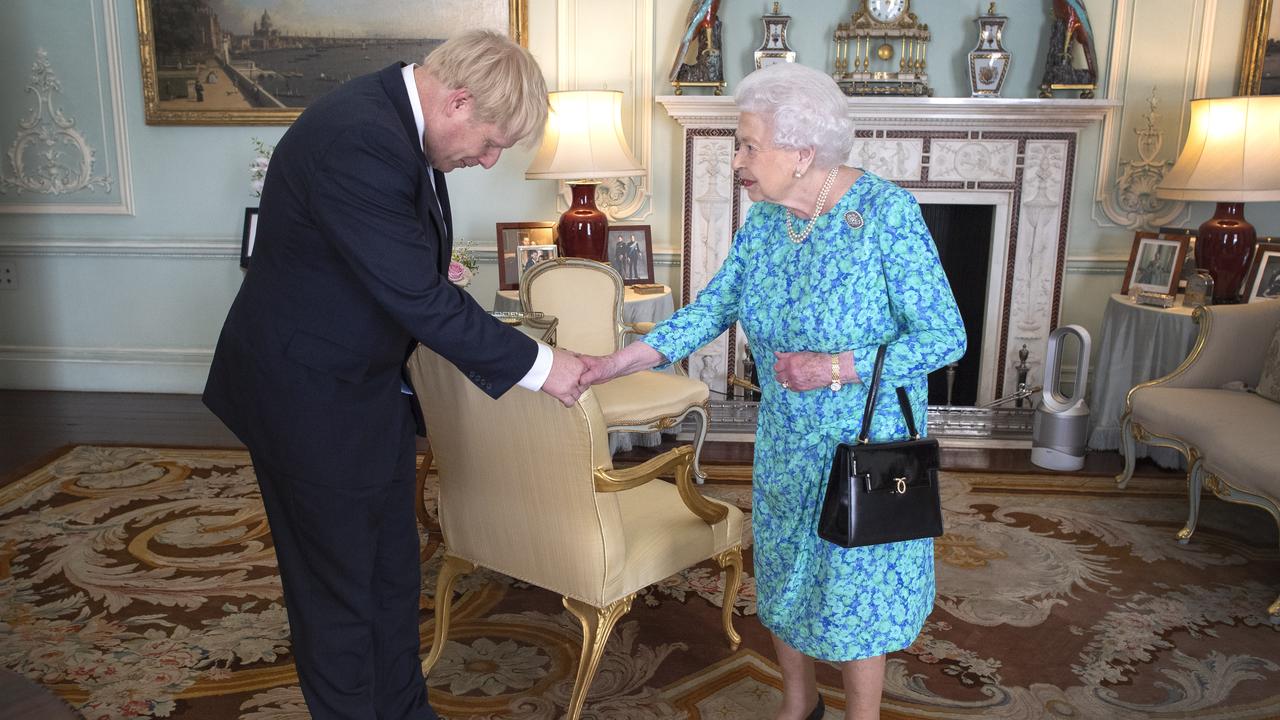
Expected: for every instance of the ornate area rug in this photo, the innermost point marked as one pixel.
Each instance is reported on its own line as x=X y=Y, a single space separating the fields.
x=141 y=583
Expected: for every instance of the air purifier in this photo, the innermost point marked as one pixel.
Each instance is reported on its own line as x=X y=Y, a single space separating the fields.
x=1060 y=426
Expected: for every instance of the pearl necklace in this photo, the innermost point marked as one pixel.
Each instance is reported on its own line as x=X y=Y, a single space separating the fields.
x=799 y=237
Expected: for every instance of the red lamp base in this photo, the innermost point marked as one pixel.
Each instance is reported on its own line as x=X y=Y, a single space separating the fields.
x=1224 y=246
x=583 y=227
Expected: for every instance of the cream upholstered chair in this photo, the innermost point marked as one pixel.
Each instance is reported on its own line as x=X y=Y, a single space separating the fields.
x=585 y=297
x=1228 y=436
x=527 y=488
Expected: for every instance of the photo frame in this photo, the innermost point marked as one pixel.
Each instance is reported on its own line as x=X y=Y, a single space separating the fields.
x=1264 y=273
x=1155 y=263
x=1260 y=67
x=529 y=255
x=248 y=235
x=274 y=66
x=511 y=237
x=1189 y=261
x=630 y=252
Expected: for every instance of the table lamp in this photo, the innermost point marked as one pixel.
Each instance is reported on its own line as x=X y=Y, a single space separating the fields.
x=1231 y=156
x=583 y=144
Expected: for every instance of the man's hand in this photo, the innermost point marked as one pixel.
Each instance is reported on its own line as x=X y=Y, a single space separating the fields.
x=563 y=381
x=598 y=369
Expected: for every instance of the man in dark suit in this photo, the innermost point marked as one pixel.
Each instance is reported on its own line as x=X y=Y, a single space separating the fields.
x=348 y=275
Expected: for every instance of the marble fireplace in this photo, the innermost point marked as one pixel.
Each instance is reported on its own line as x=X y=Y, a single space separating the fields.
x=1017 y=156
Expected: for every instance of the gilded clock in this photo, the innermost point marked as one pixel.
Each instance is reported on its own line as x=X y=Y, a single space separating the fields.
x=881 y=50
x=887 y=11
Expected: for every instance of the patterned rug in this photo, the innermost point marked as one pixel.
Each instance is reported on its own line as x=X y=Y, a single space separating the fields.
x=141 y=583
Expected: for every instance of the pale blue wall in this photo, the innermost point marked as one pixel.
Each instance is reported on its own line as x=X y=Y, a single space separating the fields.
x=134 y=302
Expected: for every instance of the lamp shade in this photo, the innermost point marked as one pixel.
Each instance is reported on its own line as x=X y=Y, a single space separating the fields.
x=1232 y=152
x=583 y=138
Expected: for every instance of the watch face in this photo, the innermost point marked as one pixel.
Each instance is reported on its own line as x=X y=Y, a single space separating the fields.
x=886 y=11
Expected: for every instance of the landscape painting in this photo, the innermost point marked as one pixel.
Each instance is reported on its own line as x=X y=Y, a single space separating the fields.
x=223 y=62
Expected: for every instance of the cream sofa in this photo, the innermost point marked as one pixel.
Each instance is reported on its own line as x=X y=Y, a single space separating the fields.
x=1229 y=437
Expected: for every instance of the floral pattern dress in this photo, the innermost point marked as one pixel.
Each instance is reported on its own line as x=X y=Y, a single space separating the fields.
x=868 y=274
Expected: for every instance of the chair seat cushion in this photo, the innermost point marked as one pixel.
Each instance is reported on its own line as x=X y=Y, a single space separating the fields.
x=664 y=537
x=1235 y=431
x=645 y=397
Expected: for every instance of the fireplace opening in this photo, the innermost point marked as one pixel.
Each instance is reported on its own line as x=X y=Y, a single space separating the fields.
x=963 y=236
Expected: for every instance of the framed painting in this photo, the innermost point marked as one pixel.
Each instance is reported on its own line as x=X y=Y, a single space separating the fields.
x=630 y=251
x=247 y=62
x=512 y=238
x=1264 y=273
x=1155 y=263
x=1260 y=70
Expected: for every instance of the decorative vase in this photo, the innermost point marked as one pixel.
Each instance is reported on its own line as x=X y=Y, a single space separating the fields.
x=989 y=61
x=1224 y=245
x=583 y=226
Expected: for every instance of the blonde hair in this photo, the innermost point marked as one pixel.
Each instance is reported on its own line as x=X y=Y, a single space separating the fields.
x=503 y=78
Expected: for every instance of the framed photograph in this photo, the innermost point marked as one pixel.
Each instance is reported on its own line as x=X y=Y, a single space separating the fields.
x=1260 y=68
x=529 y=255
x=630 y=249
x=1155 y=263
x=1264 y=273
x=512 y=237
x=234 y=62
x=247 y=235
x=1188 y=262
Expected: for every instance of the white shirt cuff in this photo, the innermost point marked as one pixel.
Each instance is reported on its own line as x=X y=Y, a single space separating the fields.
x=537 y=374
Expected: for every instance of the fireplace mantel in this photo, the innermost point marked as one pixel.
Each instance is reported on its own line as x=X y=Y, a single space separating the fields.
x=1009 y=114
x=1017 y=155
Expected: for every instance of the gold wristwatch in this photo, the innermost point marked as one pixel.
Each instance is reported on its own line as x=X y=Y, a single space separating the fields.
x=835 y=374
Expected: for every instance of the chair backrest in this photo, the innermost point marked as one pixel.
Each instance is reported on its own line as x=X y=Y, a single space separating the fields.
x=585 y=296
x=516 y=487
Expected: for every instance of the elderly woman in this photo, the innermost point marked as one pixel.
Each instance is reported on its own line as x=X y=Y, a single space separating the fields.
x=830 y=263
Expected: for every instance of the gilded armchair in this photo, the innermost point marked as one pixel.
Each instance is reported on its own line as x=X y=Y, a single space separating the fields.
x=586 y=298
x=527 y=488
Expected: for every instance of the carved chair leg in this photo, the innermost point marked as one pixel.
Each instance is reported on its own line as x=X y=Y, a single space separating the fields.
x=702 y=421
x=420 y=493
x=1195 y=483
x=1127 y=450
x=597 y=623
x=731 y=561
x=449 y=572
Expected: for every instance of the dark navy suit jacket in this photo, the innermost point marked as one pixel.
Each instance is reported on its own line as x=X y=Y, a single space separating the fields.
x=349 y=272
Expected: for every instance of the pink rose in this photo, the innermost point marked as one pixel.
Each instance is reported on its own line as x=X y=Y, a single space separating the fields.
x=459 y=274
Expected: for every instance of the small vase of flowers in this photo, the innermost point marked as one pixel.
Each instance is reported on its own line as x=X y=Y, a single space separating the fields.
x=462 y=264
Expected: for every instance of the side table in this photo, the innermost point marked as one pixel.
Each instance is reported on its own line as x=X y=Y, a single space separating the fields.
x=1139 y=343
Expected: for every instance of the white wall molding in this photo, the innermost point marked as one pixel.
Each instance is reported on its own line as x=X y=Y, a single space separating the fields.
x=164 y=248
x=177 y=370
x=1141 y=141
x=47 y=120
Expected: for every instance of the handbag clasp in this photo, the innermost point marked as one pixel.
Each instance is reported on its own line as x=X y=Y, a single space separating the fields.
x=901 y=483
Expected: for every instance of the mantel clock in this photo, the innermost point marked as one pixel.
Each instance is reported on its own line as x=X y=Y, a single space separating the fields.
x=889 y=44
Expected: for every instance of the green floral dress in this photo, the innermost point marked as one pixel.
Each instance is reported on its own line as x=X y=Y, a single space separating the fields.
x=868 y=274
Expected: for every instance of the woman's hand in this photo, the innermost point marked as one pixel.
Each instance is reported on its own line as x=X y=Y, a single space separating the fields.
x=634 y=357
x=801 y=371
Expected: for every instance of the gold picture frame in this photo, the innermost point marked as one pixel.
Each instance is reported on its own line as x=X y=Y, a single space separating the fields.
x=1256 y=35
x=218 y=87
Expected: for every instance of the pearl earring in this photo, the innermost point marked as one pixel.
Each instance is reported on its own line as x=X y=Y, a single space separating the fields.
x=799 y=173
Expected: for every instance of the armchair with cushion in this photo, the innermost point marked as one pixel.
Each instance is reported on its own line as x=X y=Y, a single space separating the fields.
x=527 y=488
x=1229 y=436
x=585 y=297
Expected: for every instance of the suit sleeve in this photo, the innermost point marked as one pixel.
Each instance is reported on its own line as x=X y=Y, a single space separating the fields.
x=365 y=199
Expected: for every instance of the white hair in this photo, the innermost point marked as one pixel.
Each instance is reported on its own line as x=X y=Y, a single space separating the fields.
x=805 y=108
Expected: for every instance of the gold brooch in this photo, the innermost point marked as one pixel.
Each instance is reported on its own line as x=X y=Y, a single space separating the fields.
x=854 y=219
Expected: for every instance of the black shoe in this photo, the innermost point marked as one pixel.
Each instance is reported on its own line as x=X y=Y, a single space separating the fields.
x=818 y=710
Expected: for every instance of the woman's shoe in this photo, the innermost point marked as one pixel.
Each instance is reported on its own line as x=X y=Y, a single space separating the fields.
x=818 y=711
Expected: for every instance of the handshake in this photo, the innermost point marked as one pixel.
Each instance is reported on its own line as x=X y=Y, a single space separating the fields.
x=571 y=373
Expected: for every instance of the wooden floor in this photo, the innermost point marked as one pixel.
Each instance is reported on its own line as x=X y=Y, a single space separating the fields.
x=36 y=426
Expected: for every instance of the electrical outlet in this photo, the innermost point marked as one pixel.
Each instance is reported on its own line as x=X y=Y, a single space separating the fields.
x=8 y=276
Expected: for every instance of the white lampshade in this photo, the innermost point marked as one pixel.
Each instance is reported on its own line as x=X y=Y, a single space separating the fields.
x=583 y=138
x=1232 y=152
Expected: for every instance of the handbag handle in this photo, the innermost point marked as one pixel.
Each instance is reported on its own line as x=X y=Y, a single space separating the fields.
x=873 y=389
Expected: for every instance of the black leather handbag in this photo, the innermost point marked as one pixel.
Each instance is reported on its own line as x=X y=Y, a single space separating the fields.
x=882 y=492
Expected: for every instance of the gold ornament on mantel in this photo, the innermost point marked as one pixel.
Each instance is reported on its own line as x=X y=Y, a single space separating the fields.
x=875 y=30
